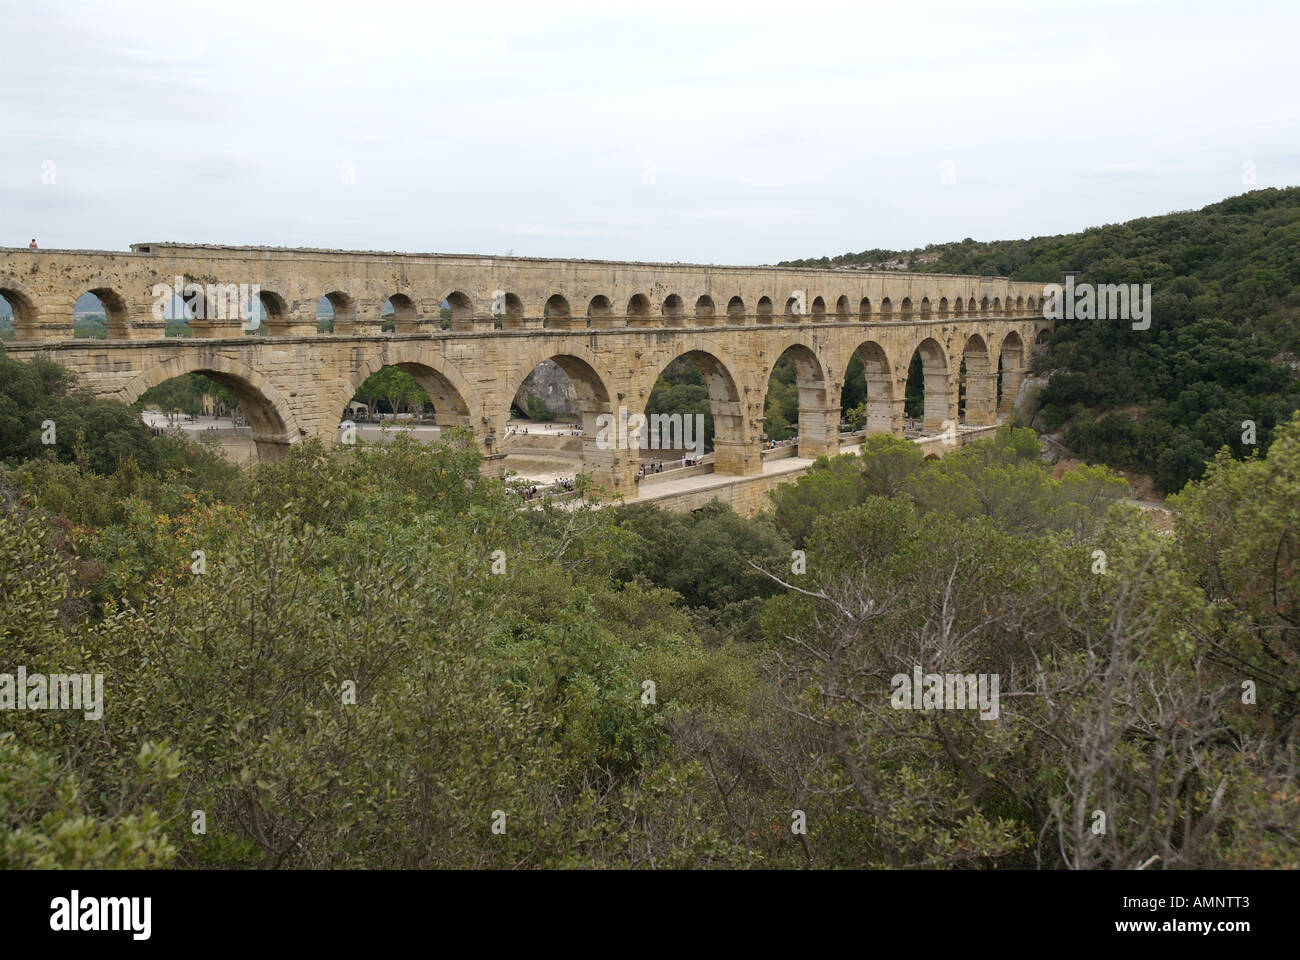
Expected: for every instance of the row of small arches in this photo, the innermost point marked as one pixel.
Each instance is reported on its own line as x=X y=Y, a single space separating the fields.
x=507 y=310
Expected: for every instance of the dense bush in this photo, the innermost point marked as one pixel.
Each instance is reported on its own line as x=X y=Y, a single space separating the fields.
x=386 y=654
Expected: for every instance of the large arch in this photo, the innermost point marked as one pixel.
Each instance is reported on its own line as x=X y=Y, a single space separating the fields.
x=608 y=466
x=736 y=311
x=978 y=388
x=819 y=413
x=1011 y=371
x=884 y=401
x=735 y=449
x=267 y=411
x=938 y=402
x=450 y=392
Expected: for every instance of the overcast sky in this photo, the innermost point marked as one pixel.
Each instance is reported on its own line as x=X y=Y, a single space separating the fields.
x=745 y=133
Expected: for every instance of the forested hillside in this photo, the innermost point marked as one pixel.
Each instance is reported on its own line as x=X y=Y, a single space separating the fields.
x=385 y=653
x=1222 y=347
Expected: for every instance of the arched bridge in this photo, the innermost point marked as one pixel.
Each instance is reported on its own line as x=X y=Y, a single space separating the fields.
x=611 y=326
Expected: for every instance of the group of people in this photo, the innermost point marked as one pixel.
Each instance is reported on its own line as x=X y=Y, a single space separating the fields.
x=658 y=466
x=562 y=484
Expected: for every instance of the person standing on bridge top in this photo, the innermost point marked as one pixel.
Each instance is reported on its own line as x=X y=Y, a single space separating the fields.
x=32 y=245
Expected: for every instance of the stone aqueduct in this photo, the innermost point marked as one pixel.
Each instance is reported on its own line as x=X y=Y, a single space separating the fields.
x=613 y=327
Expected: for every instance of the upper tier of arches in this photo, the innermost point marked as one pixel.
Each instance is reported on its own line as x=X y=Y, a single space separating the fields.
x=273 y=296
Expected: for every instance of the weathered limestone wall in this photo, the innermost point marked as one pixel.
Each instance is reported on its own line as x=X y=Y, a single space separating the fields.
x=611 y=327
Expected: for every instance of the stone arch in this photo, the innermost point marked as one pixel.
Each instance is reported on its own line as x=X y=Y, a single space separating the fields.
x=938 y=402
x=268 y=412
x=842 y=308
x=864 y=309
x=884 y=401
x=344 y=309
x=704 y=311
x=673 y=310
x=600 y=312
x=608 y=466
x=735 y=311
x=115 y=313
x=26 y=318
x=462 y=310
x=404 y=315
x=818 y=310
x=1031 y=307
x=276 y=310
x=763 y=313
x=905 y=310
x=886 y=310
x=943 y=308
x=971 y=306
x=984 y=306
x=556 y=314
x=977 y=391
x=1020 y=306
x=793 y=309
x=638 y=311
x=451 y=394
x=958 y=307
x=508 y=309
x=925 y=308
x=735 y=448
x=1011 y=371
x=997 y=306
x=819 y=418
